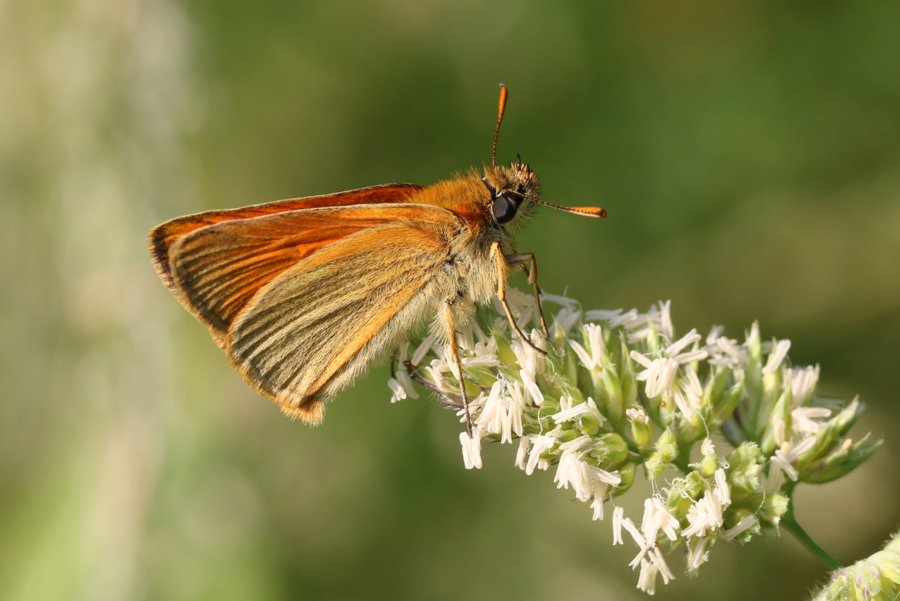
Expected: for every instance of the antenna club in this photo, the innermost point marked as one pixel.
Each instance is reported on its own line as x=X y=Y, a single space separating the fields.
x=585 y=211
x=501 y=108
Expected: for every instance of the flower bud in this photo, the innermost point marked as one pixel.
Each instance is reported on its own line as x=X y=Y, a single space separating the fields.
x=745 y=467
x=609 y=452
x=876 y=577
x=666 y=452
x=640 y=428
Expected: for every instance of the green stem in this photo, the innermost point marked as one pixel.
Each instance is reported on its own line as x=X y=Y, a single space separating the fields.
x=790 y=524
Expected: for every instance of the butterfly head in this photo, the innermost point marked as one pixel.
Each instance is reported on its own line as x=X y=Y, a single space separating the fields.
x=513 y=190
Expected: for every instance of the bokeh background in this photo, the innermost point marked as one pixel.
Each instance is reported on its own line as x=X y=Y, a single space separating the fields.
x=748 y=154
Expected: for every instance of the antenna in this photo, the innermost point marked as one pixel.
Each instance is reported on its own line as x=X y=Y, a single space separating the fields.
x=584 y=211
x=501 y=108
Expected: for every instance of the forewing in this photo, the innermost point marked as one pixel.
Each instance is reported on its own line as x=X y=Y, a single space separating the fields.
x=162 y=237
x=317 y=325
x=217 y=269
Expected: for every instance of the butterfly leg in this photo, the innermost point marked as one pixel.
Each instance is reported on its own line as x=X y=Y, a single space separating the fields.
x=502 y=272
x=394 y=363
x=449 y=322
x=447 y=399
x=522 y=259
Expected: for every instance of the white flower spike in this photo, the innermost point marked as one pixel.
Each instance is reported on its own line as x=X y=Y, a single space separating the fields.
x=619 y=395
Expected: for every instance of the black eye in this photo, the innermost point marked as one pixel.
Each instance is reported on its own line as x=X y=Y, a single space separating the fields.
x=504 y=208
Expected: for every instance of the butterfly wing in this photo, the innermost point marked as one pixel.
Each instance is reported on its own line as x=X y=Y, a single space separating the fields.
x=217 y=269
x=162 y=237
x=311 y=330
x=302 y=301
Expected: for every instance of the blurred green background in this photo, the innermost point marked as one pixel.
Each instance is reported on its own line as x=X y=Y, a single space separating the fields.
x=748 y=154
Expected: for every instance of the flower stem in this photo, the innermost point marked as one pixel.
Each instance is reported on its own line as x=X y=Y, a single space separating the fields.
x=790 y=524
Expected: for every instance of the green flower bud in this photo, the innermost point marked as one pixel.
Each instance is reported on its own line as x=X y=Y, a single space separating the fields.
x=627 y=379
x=745 y=463
x=615 y=405
x=504 y=352
x=589 y=425
x=726 y=405
x=841 y=462
x=753 y=380
x=709 y=464
x=829 y=436
x=640 y=431
x=779 y=419
x=609 y=452
x=682 y=494
x=666 y=452
x=481 y=377
x=774 y=506
x=626 y=473
x=567 y=435
x=877 y=577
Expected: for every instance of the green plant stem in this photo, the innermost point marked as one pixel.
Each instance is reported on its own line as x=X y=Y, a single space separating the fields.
x=790 y=524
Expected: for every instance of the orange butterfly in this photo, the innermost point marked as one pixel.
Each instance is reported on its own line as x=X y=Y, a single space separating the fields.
x=303 y=294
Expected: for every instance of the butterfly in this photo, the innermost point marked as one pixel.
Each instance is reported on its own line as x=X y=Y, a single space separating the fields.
x=304 y=294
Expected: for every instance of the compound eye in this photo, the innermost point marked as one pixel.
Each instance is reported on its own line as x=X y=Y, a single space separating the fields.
x=504 y=208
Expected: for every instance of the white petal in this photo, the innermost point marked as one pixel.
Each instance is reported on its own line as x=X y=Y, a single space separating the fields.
x=583 y=355
x=800 y=448
x=631 y=529
x=781 y=462
x=618 y=515
x=539 y=444
x=805 y=419
x=722 y=491
x=571 y=470
x=637 y=414
x=602 y=314
x=745 y=524
x=803 y=383
x=471 y=449
x=778 y=427
x=576 y=444
x=563 y=301
x=588 y=407
x=537 y=397
x=422 y=350
x=665 y=319
x=597 y=503
x=696 y=553
x=639 y=358
x=684 y=405
x=691 y=356
x=647 y=577
x=715 y=333
x=397 y=390
x=774 y=480
x=660 y=377
x=657 y=518
x=595 y=340
x=659 y=562
x=610 y=478
x=777 y=356
x=522 y=453
x=682 y=343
